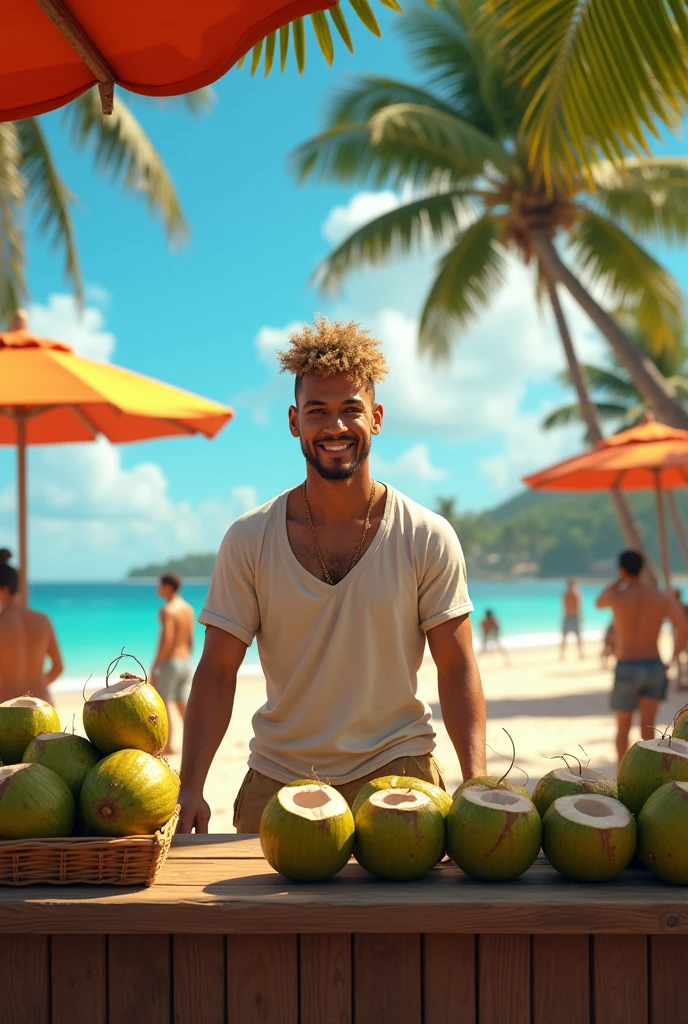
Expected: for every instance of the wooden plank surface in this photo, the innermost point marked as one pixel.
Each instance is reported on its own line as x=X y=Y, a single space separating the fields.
x=504 y=979
x=668 y=961
x=620 y=979
x=24 y=979
x=449 y=979
x=561 y=979
x=78 y=969
x=325 y=980
x=387 y=979
x=139 y=979
x=262 y=979
x=198 y=973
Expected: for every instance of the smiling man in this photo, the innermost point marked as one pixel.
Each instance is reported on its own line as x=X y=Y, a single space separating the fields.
x=341 y=580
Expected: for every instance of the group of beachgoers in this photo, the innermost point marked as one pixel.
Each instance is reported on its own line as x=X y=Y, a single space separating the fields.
x=343 y=581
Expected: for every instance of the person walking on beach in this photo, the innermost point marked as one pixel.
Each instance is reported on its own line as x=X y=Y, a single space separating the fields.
x=640 y=679
x=171 y=672
x=572 y=616
x=27 y=639
x=341 y=579
x=491 y=630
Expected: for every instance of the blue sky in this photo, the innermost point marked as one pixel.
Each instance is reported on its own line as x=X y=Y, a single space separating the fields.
x=210 y=316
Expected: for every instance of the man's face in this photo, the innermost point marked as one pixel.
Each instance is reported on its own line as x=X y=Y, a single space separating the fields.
x=334 y=422
x=164 y=591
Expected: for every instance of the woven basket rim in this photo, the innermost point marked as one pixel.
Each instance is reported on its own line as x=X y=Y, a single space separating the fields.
x=93 y=842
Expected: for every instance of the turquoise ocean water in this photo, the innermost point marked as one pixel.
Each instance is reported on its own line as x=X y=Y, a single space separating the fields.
x=94 y=621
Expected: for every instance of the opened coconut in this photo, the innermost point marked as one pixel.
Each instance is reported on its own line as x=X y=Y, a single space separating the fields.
x=439 y=796
x=69 y=756
x=491 y=782
x=647 y=765
x=34 y=803
x=568 y=782
x=589 y=838
x=307 y=832
x=680 y=729
x=21 y=719
x=400 y=834
x=663 y=832
x=493 y=834
x=129 y=793
x=129 y=715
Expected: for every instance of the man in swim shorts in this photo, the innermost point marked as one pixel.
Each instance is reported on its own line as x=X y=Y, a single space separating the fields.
x=171 y=673
x=640 y=679
x=572 y=616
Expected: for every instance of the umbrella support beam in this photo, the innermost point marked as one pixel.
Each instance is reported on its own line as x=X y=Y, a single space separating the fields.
x=661 y=529
x=679 y=528
x=22 y=509
x=66 y=23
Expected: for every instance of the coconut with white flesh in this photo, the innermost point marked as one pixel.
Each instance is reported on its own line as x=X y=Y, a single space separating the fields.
x=128 y=715
x=663 y=832
x=493 y=834
x=589 y=838
x=69 y=756
x=21 y=719
x=307 y=832
x=439 y=796
x=570 y=782
x=34 y=803
x=647 y=765
x=400 y=834
x=491 y=782
x=128 y=793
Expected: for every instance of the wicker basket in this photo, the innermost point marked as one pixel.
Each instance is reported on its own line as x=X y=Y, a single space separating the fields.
x=133 y=860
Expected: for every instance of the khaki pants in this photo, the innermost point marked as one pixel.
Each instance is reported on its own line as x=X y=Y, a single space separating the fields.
x=256 y=789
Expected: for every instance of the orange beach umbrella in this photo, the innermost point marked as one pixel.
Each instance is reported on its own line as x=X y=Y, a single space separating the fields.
x=49 y=395
x=651 y=456
x=51 y=51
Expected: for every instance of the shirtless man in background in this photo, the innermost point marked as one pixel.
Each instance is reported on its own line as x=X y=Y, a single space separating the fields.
x=640 y=679
x=172 y=673
x=572 y=616
x=26 y=639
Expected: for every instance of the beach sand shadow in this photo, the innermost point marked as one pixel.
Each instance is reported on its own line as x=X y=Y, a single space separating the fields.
x=568 y=705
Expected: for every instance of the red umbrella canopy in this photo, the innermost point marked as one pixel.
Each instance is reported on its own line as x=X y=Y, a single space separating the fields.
x=645 y=457
x=51 y=51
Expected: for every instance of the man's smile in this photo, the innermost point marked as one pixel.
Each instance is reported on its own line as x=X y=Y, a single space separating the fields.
x=336 y=447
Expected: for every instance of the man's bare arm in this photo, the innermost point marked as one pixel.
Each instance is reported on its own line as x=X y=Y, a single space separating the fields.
x=55 y=656
x=208 y=714
x=461 y=692
x=678 y=617
x=165 y=640
x=606 y=598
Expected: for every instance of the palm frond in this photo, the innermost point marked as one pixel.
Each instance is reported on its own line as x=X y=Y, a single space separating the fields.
x=50 y=198
x=366 y=95
x=122 y=149
x=12 y=195
x=563 y=416
x=648 y=195
x=400 y=231
x=606 y=256
x=468 y=278
x=598 y=73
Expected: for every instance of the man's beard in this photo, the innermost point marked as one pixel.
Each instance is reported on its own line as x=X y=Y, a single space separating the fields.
x=335 y=472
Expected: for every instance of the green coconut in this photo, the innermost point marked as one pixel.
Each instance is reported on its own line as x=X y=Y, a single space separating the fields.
x=69 y=756
x=439 y=796
x=491 y=782
x=129 y=715
x=680 y=729
x=663 y=832
x=400 y=834
x=34 y=803
x=570 y=782
x=647 y=765
x=589 y=838
x=307 y=832
x=21 y=719
x=128 y=793
x=493 y=834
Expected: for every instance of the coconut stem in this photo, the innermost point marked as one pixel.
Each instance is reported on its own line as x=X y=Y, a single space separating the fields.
x=516 y=766
x=580 y=766
x=672 y=723
x=83 y=692
x=513 y=756
x=111 y=667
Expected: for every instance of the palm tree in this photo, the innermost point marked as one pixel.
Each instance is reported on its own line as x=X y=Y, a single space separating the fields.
x=30 y=181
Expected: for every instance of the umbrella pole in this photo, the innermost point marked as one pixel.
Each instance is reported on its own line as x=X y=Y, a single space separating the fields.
x=678 y=525
x=21 y=508
x=661 y=528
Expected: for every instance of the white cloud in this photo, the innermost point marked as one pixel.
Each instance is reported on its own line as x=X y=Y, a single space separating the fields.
x=270 y=339
x=526 y=449
x=414 y=463
x=361 y=208
x=84 y=330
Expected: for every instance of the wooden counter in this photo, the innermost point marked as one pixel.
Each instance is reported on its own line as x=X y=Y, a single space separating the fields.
x=221 y=937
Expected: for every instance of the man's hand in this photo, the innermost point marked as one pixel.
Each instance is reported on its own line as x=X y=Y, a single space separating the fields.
x=194 y=815
x=605 y=598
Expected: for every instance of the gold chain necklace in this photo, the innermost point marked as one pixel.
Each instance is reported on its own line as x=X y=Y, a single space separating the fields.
x=366 y=527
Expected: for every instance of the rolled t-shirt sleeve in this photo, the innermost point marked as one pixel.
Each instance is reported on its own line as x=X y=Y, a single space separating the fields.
x=443 y=587
x=232 y=602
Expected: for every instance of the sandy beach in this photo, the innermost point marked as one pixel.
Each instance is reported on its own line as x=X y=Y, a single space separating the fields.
x=548 y=706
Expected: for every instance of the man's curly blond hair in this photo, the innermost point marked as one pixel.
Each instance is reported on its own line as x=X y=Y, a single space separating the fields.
x=325 y=347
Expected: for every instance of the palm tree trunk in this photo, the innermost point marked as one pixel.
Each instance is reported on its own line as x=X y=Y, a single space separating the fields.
x=629 y=527
x=654 y=388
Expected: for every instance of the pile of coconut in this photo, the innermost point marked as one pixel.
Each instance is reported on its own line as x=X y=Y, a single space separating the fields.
x=114 y=783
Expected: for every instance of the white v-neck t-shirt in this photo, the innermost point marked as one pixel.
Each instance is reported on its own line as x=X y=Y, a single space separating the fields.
x=341 y=661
